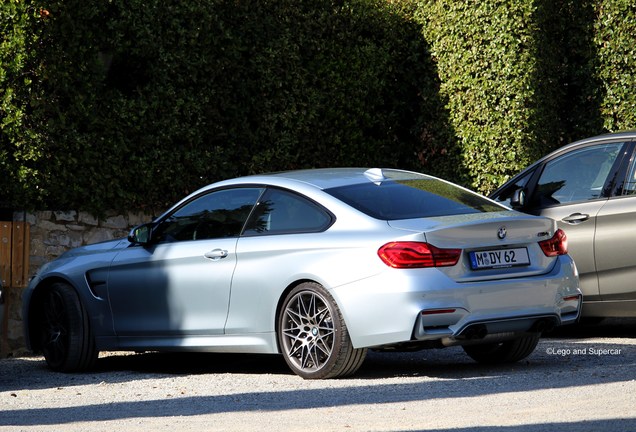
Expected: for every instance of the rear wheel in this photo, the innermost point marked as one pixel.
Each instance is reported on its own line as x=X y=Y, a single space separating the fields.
x=313 y=335
x=504 y=352
x=66 y=339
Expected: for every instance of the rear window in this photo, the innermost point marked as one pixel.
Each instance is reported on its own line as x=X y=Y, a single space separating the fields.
x=412 y=199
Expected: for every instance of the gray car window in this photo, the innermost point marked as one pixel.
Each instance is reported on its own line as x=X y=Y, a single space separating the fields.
x=579 y=175
x=629 y=187
x=218 y=214
x=412 y=199
x=505 y=196
x=283 y=212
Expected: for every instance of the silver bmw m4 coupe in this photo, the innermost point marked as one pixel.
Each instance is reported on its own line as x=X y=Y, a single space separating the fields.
x=317 y=265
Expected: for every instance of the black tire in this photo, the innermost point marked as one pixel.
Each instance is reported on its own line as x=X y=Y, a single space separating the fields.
x=313 y=336
x=66 y=339
x=503 y=352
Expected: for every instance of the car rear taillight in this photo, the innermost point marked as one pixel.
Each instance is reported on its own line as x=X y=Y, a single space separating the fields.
x=417 y=255
x=557 y=245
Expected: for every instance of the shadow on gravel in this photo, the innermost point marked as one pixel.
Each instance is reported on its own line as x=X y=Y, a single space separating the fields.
x=194 y=363
x=466 y=381
x=457 y=376
x=556 y=353
x=551 y=357
x=612 y=424
x=588 y=328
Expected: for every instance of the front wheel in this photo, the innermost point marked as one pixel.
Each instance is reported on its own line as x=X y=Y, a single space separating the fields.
x=504 y=352
x=65 y=336
x=313 y=336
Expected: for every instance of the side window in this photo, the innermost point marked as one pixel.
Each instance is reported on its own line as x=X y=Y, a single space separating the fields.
x=218 y=214
x=629 y=186
x=282 y=212
x=505 y=196
x=579 y=175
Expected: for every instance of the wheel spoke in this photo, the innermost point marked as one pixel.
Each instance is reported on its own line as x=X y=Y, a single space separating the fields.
x=324 y=344
x=311 y=359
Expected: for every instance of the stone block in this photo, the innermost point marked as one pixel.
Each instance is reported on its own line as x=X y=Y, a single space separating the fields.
x=68 y=216
x=116 y=222
x=76 y=239
x=46 y=225
x=56 y=238
x=138 y=218
x=87 y=219
x=31 y=218
x=98 y=235
x=53 y=251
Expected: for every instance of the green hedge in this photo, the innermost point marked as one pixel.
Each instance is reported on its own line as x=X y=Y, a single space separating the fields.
x=615 y=39
x=139 y=102
x=18 y=137
x=518 y=77
x=130 y=104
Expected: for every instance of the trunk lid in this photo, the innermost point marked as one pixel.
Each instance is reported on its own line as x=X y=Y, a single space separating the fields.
x=494 y=245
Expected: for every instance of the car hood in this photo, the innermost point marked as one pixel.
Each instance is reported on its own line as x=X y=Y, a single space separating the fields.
x=96 y=248
x=81 y=258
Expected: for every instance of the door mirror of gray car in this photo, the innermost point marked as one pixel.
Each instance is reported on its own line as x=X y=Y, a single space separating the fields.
x=518 y=199
x=140 y=234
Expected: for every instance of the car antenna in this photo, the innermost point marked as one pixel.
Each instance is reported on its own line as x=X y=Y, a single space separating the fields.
x=375 y=175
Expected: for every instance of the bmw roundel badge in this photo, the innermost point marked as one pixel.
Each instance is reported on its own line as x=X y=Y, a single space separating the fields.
x=501 y=233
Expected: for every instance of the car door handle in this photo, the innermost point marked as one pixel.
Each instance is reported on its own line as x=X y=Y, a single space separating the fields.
x=576 y=218
x=216 y=254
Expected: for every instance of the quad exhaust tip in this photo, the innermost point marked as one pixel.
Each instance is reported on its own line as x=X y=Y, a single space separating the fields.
x=475 y=332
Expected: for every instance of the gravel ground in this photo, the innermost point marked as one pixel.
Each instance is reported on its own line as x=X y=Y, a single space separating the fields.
x=582 y=379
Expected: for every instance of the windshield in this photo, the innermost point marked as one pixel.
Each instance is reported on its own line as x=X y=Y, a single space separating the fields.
x=412 y=198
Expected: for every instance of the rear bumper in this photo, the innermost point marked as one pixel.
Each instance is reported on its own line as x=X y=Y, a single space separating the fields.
x=400 y=306
x=495 y=330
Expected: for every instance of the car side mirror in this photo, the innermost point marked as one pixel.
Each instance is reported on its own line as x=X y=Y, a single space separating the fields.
x=518 y=199
x=140 y=234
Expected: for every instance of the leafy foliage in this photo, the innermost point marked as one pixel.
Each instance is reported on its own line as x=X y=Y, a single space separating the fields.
x=516 y=75
x=143 y=101
x=130 y=104
x=18 y=140
x=615 y=34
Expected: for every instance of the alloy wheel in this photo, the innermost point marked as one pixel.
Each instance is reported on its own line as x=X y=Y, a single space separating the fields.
x=308 y=331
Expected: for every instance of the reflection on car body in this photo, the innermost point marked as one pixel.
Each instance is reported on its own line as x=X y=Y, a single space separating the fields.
x=589 y=189
x=316 y=265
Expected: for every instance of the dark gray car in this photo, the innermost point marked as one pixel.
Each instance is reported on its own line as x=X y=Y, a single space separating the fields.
x=589 y=188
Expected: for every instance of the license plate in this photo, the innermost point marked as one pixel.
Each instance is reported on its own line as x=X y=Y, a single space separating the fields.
x=499 y=258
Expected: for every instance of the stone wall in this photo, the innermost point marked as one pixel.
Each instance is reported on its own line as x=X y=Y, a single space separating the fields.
x=55 y=232
x=51 y=234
